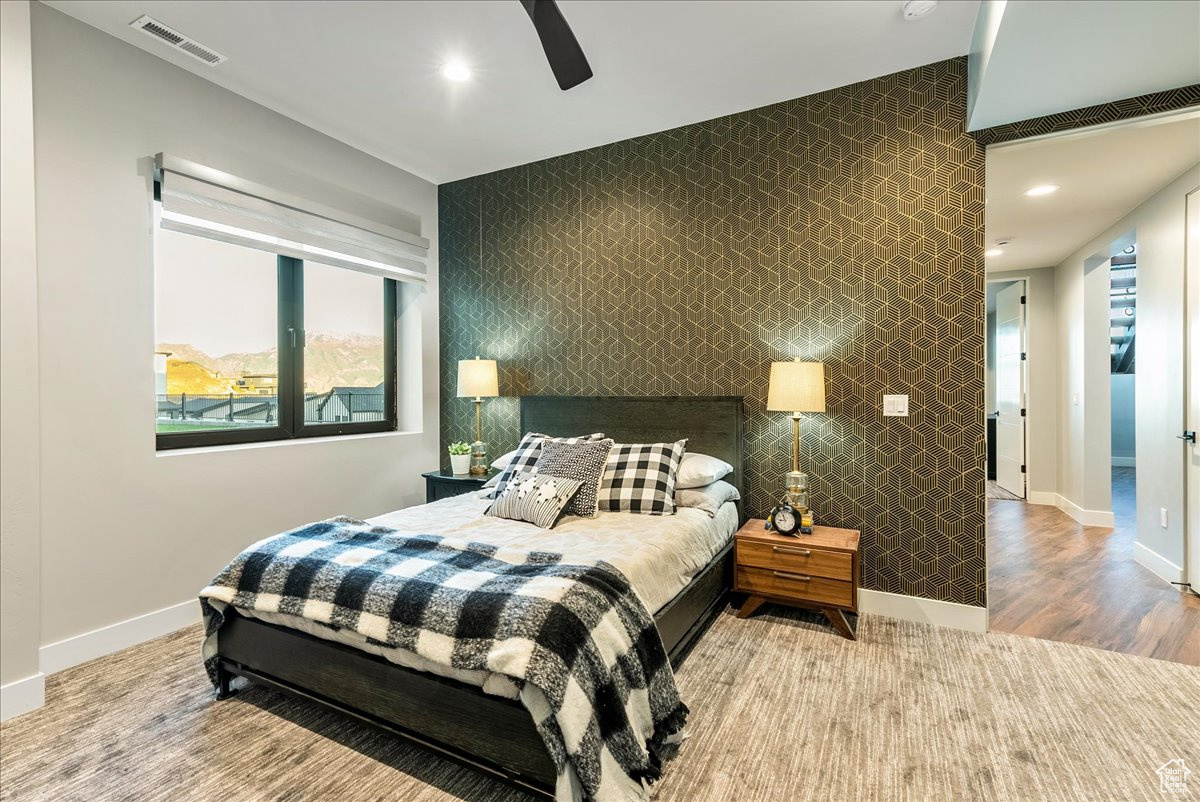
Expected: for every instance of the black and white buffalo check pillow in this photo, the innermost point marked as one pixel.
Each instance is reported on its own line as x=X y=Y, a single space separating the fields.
x=527 y=455
x=536 y=498
x=640 y=477
x=582 y=461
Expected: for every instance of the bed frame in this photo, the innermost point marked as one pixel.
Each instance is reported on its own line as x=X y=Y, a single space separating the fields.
x=492 y=734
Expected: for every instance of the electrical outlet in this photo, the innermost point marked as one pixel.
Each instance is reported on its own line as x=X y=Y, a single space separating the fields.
x=1162 y=517
x=895 y=406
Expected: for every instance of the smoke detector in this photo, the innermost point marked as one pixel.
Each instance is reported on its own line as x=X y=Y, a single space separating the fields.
x=173 y=38
x=915 y=9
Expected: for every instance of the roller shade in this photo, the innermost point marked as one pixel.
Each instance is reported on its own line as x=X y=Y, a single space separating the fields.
x=208 y=203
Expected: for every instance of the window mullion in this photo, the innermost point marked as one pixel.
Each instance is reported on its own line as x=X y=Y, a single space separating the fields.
x=390 y=290
x=291 y=344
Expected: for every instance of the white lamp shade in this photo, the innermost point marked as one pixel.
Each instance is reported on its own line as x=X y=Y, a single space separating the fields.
x=477 y=378
x=796 y=387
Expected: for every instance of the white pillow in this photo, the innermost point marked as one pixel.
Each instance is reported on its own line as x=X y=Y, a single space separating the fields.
x=708 y=498
x=500 y=463
x=699 y=470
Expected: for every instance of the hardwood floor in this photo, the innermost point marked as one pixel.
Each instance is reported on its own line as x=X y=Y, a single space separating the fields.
x=1049 y=577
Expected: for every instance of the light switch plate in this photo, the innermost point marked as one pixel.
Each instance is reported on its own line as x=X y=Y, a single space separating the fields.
x=895 y=406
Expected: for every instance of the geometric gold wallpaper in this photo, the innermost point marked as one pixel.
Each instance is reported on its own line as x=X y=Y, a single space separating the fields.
x=845 y=227
x=1154 y=103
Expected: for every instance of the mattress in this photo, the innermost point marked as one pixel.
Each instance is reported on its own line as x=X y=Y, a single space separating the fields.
x=658 y=554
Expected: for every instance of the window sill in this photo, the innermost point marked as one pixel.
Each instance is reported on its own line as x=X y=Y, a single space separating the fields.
x=296 y=441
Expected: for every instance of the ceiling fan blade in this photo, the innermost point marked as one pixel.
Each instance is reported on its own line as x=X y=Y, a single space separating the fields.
x=566 y=57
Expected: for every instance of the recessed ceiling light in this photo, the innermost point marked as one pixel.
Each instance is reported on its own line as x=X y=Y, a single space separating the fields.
x=456 y=71
x=1044 y=189
x=1129 y=249
x=993 y=252
x=915 y=9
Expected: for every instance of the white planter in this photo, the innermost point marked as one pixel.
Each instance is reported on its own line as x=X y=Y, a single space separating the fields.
x=460 y=464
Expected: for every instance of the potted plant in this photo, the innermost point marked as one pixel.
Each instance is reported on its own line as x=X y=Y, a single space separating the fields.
x=460 y=458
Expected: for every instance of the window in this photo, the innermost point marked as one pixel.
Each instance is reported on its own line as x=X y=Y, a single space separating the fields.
x=252 y=346
x=216 y=349
x=345 y=353
x=275 y=316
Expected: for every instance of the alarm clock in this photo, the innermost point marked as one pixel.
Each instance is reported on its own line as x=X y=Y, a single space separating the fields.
x=784 y=519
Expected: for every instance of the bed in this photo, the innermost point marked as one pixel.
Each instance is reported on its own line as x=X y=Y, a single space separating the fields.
x=461 y=717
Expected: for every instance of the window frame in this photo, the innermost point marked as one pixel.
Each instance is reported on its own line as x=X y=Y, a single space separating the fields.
x=290 y=424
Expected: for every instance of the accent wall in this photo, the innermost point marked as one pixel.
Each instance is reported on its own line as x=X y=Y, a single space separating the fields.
x=845 y=227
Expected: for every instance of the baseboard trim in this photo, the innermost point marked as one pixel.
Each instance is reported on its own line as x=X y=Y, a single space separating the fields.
x=22 y=695
x=1124 y=462
x=72 y=651
x=1045 y=497
x=1157 y=564
x=1086 y=517
x=926 y=611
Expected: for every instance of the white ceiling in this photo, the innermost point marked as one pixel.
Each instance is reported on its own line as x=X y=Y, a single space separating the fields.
x=368 y=73
x=1103 y=174
x=1051 y=56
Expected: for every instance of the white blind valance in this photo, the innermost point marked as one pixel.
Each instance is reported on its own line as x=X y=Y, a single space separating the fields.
x=205 y=202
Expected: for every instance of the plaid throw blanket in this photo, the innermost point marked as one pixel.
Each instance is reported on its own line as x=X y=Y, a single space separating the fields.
x=576 y=640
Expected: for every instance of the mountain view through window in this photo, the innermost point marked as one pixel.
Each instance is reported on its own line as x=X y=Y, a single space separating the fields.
x=216 y=350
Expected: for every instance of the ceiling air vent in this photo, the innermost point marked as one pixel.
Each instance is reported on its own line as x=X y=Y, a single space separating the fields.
x=152 y=27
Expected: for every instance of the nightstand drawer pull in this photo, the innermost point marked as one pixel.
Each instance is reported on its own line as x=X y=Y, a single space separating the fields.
x=790 y=550
x=789 y=575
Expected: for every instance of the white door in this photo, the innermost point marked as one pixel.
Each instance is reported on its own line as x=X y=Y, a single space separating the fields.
x=1010 y=388
x=1192 y=535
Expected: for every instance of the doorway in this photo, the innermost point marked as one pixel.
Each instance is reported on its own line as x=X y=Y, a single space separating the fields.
x=1094 y=220
x=1122 y=344
x=1005 y=390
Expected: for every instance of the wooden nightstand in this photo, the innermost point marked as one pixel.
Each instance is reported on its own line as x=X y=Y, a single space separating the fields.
x=444 y=484
x=818 y=570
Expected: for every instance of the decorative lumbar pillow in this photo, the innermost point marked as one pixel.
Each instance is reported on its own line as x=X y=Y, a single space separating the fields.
x=708 y=498
x=528 y=452
x=531 y=497
x=700 y=470
x=582 y=461
x=640 y=477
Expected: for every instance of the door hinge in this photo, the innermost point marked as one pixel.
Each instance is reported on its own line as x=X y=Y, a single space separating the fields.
x=1022 y=299
x=1022 y=412
x=1022 y=469
x=1024 y=356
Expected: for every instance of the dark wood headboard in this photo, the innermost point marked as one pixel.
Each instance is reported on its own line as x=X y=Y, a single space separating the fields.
x=711 y=424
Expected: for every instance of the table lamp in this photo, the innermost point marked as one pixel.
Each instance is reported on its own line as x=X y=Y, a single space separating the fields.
x=796 y=387
x=477 y=378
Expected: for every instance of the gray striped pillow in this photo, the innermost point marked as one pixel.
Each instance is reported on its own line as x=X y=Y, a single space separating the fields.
x=534 y=498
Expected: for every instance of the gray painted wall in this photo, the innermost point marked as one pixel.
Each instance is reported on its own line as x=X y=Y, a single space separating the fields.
x=1086 y=429
x=20 y=545
x=1124 y=418
x=125 y=530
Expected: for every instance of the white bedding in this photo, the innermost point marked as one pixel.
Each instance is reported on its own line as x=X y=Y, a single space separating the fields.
x=658 y=554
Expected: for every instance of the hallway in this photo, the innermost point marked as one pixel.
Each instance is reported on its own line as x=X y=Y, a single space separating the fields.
x=1049 y=577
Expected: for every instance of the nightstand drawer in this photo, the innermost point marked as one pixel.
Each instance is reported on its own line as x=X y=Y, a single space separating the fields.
x=795 y=585
x=798 y=558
